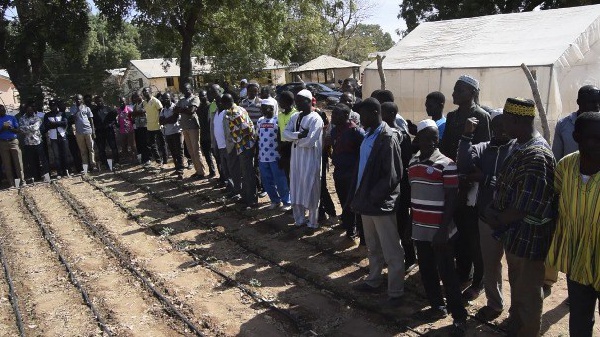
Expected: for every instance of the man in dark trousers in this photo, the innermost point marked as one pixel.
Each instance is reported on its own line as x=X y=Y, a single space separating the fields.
x=375 y=190
x=205 y=139
x=104 y=122
x=469 y=262
x=346 y=138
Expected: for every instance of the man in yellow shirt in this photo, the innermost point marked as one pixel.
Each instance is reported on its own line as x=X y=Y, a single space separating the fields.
x=156 y=140
x=576 y=242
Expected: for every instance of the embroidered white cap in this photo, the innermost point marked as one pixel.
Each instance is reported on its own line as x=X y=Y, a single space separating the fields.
x=244 y=80
x=426 y=123
x=267 y=102
x=305 y=93
x=496 y=112
x=470 y=81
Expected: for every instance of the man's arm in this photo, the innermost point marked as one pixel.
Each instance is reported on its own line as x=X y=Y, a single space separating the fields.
x=440 y=239
x=558 y=146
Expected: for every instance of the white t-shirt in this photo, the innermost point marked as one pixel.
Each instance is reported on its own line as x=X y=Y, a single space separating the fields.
x=267 y=130
x=218 y=127
x=52 y=133
x=170 y=129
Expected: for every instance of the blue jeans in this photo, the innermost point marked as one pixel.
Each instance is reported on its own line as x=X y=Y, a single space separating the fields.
x=275 y=182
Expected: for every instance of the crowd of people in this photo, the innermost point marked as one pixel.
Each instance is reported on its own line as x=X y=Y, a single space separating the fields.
x=450 y=194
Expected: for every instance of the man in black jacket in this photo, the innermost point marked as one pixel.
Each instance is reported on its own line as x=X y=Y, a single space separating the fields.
x=104 y=121
x=374 y=193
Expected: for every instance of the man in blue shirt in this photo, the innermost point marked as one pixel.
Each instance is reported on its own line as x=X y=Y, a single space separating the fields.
x=9 y=147
x=374 y=192
x=434 y=105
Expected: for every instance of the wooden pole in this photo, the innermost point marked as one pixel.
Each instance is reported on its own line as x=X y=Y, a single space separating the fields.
x=538 y=101
x=380 y=69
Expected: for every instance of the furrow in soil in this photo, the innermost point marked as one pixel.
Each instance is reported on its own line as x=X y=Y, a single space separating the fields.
x=129 y=310
x=50 y=304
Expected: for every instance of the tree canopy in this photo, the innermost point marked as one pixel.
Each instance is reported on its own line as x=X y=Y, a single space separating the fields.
x=416 y=11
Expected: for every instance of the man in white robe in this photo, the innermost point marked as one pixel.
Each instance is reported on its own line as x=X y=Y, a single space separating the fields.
x=305 y=131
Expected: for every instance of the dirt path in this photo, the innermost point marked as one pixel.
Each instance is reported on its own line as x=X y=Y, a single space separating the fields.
x=128 y=309
x=49 y=303
x=8 y=321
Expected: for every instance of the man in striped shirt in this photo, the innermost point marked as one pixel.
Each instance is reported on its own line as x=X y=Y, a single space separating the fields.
x=574 y=249
x=434 y=183
x=522 y=213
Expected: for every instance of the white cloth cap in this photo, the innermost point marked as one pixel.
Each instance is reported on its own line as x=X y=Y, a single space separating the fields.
x=496 y=112
x=426 y=124
x=244 y=80
x=470 y=81
x=305 y=93
x=267 y=102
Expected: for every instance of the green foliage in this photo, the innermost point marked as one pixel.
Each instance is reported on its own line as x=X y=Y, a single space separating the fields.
x=28 y=28
x=108 y=47
x=415 y=11
x=367 y=39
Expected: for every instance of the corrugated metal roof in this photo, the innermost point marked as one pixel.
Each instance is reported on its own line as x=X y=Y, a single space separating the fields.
x=157 y=68
x=324 y=62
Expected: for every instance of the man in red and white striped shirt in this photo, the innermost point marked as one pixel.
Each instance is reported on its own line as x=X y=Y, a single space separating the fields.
x=434 y=183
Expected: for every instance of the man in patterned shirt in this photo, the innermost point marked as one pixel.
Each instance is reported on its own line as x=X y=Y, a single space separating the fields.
x=240 y=141
x=521 y=215
x=273 y=177
x=33 y=148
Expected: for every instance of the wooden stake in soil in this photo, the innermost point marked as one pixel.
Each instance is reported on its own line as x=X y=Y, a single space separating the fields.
x=380 y=59
x=538 y=101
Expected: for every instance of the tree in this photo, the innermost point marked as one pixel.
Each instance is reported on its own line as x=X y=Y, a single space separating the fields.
x=343 y=18
x=416 y=11
x=367 y=39
x=28 y=28
x=217 y=28
x=107 y=48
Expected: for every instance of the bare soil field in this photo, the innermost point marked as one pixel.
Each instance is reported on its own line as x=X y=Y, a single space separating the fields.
x=138 y=253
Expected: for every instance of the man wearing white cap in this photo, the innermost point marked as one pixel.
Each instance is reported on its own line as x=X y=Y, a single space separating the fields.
x=273 y=177
x=305 y=130
x=480 y=163
x=434 y=183
x=468 y=255
x=243 y=89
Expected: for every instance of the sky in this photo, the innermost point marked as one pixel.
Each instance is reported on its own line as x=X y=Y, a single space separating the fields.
x=385 y=14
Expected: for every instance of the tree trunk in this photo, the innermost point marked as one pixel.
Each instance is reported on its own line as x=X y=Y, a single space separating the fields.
x=538 y=102
x=185 y=61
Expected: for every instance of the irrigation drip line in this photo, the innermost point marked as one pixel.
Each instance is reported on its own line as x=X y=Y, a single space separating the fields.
x=48 y=235
x=14 y=301
x=125 y=261
x=290 y=270
x=301 y=326
x=326 y=250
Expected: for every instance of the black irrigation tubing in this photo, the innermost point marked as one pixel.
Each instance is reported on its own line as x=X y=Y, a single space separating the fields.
x=292 y=271
x=48 y=235
x=327 y=250
x=14 y=300
x=125 y=261
x=301 y=326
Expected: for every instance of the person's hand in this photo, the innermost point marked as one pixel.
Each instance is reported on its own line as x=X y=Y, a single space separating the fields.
x=412 y=128
x=490 y=216
x=475 y=176
x=303 y=134
x=470 y=125
x=94 y=136
x=440 y=239
x=7 y=125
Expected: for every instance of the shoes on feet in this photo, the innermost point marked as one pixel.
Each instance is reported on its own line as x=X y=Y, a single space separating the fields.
x=274 y=205
x=472 y=293
x=547 y=290
x=198 y=176
x=392 y=302
x=262 y=194
x=286 y=207
x=365 y=288
x=458 y=329
x=408 y=267
x=488 y=314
